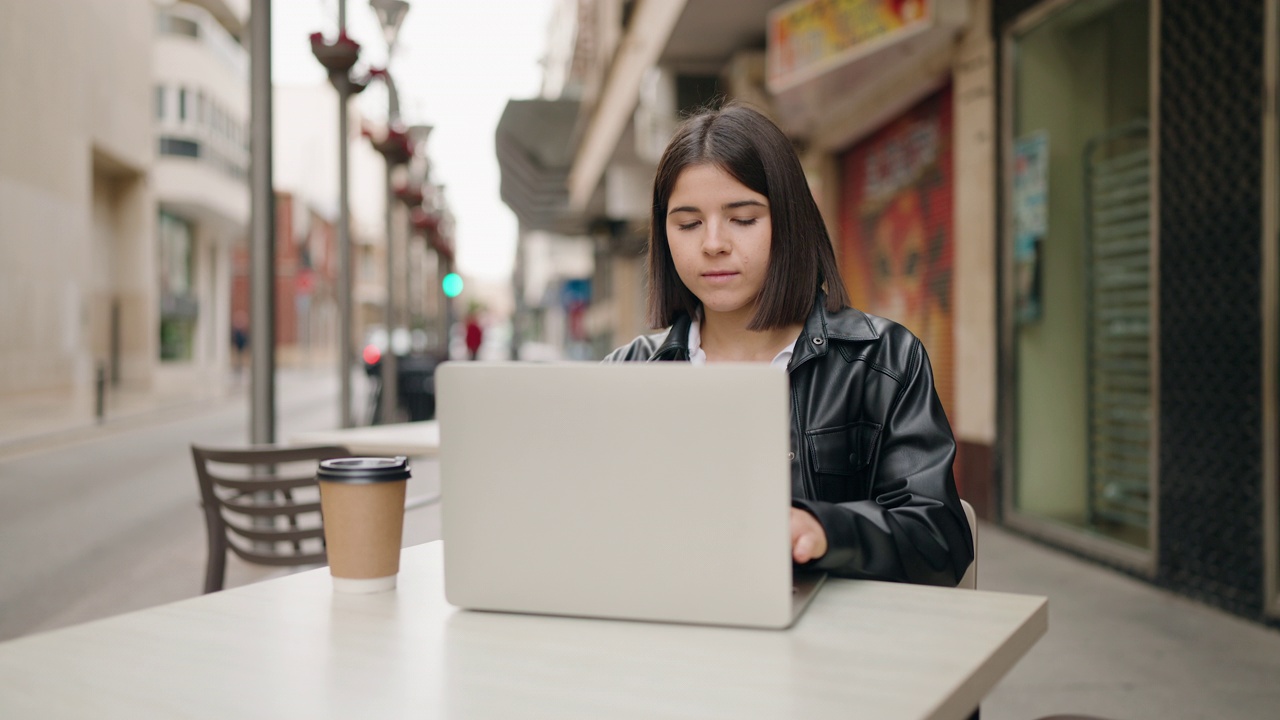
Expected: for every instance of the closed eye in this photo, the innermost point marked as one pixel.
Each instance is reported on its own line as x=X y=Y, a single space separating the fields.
x=689 y=225
x=744 y=221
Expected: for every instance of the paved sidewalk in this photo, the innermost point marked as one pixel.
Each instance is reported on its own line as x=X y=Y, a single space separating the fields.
x=41 y=419
x=1121 y=649
x=46 y=419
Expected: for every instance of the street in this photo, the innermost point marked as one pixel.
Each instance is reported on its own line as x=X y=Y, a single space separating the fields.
x=109 y=524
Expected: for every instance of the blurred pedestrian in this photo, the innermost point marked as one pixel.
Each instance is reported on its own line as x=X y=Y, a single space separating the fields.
x=741 y=269
x=474 y=334
x=239 y=339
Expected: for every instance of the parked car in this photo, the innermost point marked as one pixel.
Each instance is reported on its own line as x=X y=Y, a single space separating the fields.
x=415 y=374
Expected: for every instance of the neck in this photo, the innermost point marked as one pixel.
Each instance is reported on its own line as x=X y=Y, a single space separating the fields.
x=725 y=338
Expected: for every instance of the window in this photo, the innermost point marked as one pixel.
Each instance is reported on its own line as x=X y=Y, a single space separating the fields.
x=370 y=268
x=159 y=98
x=179 y=148
x=182 y=104
x=175 y=25
x=1079 y=195
x=178 y=307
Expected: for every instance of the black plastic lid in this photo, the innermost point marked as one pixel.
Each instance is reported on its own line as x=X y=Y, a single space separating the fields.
x=364 y=470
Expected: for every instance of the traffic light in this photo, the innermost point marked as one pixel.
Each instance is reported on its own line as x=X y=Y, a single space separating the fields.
x=452 y=285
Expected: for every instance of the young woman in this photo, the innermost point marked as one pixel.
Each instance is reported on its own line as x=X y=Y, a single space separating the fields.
x=741 y=270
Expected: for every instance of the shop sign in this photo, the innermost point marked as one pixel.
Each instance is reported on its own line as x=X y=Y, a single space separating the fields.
x=806 y=38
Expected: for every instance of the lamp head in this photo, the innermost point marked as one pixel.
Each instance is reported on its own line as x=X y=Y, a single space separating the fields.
x=419 y=133
x=390 y=15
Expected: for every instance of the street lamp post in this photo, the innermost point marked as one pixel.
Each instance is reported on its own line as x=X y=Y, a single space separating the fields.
x=338 y=58
x=262 y=384
x=411 y=194
x=391 y=14
x=442 y=238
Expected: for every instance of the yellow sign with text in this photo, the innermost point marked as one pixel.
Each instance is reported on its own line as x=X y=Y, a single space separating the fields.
x=809 y=37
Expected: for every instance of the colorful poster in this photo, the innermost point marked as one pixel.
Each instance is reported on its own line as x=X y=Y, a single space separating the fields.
x=1029 y=205
x=806 y=38
x=896 y=228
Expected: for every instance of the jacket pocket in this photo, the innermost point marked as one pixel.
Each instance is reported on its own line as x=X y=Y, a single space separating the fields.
x=841 y=459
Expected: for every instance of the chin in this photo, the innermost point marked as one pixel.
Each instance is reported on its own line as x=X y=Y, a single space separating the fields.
x=725 y=306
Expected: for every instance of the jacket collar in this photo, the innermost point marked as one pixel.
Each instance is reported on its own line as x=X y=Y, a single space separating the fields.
x=821 y=327
x=676 y=344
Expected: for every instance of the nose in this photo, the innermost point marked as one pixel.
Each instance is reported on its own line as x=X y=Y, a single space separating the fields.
x=715 y=241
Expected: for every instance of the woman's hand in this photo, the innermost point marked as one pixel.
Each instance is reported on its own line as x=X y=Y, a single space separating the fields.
x=808 y=539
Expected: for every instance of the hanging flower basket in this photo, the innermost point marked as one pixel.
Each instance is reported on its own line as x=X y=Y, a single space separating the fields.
x=339 y=56
x=441 y=244
x=424 y=221
x=410 y=195
x=394 y=146
x=355 y=86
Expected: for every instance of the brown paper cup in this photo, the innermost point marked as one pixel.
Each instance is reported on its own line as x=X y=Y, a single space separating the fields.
x=363 y=521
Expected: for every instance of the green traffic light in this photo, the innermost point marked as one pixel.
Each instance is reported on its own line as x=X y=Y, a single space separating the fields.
x=452 y=285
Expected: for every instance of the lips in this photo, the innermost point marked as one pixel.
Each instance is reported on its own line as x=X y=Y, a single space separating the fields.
x=719 y=275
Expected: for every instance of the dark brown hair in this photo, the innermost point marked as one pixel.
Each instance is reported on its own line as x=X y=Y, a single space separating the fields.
x=748 y=146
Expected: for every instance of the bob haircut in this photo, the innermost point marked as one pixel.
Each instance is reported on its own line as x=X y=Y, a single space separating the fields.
x=749 y=147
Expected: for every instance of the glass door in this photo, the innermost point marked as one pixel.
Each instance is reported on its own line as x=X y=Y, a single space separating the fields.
x=1080 y=304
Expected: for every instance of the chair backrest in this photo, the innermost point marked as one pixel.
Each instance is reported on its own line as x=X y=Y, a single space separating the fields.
x=259 y=496
x=970 y=579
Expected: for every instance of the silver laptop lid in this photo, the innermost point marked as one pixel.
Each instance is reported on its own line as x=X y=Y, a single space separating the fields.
x=656 y=491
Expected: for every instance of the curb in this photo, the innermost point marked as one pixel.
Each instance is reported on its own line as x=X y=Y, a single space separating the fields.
x=15 y=445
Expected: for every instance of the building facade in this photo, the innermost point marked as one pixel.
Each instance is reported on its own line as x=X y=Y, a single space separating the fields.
x=305 y=285
x=201 y=118
x=1138 y=240
x=77 y=209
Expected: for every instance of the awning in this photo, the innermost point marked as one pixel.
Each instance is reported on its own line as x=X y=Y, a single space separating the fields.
x=534 y=144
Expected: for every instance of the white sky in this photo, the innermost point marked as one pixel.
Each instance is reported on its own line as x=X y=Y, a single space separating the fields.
x=457 y=63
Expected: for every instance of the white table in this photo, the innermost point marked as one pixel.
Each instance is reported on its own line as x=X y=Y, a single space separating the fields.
x=412 y=439
x=291 y=648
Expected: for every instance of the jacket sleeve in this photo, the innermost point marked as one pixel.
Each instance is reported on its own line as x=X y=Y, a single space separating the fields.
x=912 y=528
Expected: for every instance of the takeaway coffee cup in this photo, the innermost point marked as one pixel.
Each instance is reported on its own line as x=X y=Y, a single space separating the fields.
x=362 y=500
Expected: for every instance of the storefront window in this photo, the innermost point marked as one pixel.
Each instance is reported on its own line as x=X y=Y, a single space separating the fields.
x=1080 y=237
x=178 y=307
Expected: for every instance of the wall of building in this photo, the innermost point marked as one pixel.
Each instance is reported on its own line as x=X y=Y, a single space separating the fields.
x=1209 y=72
x=305 y=155
x=74 y=198
x=201 y=115
x=974 y=228
x=1210 y=496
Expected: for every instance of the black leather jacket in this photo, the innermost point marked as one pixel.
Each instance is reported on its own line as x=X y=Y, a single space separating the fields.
x=871 y=448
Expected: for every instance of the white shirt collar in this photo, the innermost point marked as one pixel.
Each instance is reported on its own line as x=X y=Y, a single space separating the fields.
x=698 y=356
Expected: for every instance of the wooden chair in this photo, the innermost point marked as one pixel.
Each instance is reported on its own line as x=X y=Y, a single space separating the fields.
x=970 y=579
x=247 y=493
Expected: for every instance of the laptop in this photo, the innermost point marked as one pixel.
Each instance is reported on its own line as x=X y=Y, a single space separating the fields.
x=637 y=491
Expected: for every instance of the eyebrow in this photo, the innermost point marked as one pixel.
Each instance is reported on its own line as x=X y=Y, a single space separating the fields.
x=727 y=206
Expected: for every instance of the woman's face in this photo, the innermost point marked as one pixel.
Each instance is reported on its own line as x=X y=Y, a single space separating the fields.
x=720 y=233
